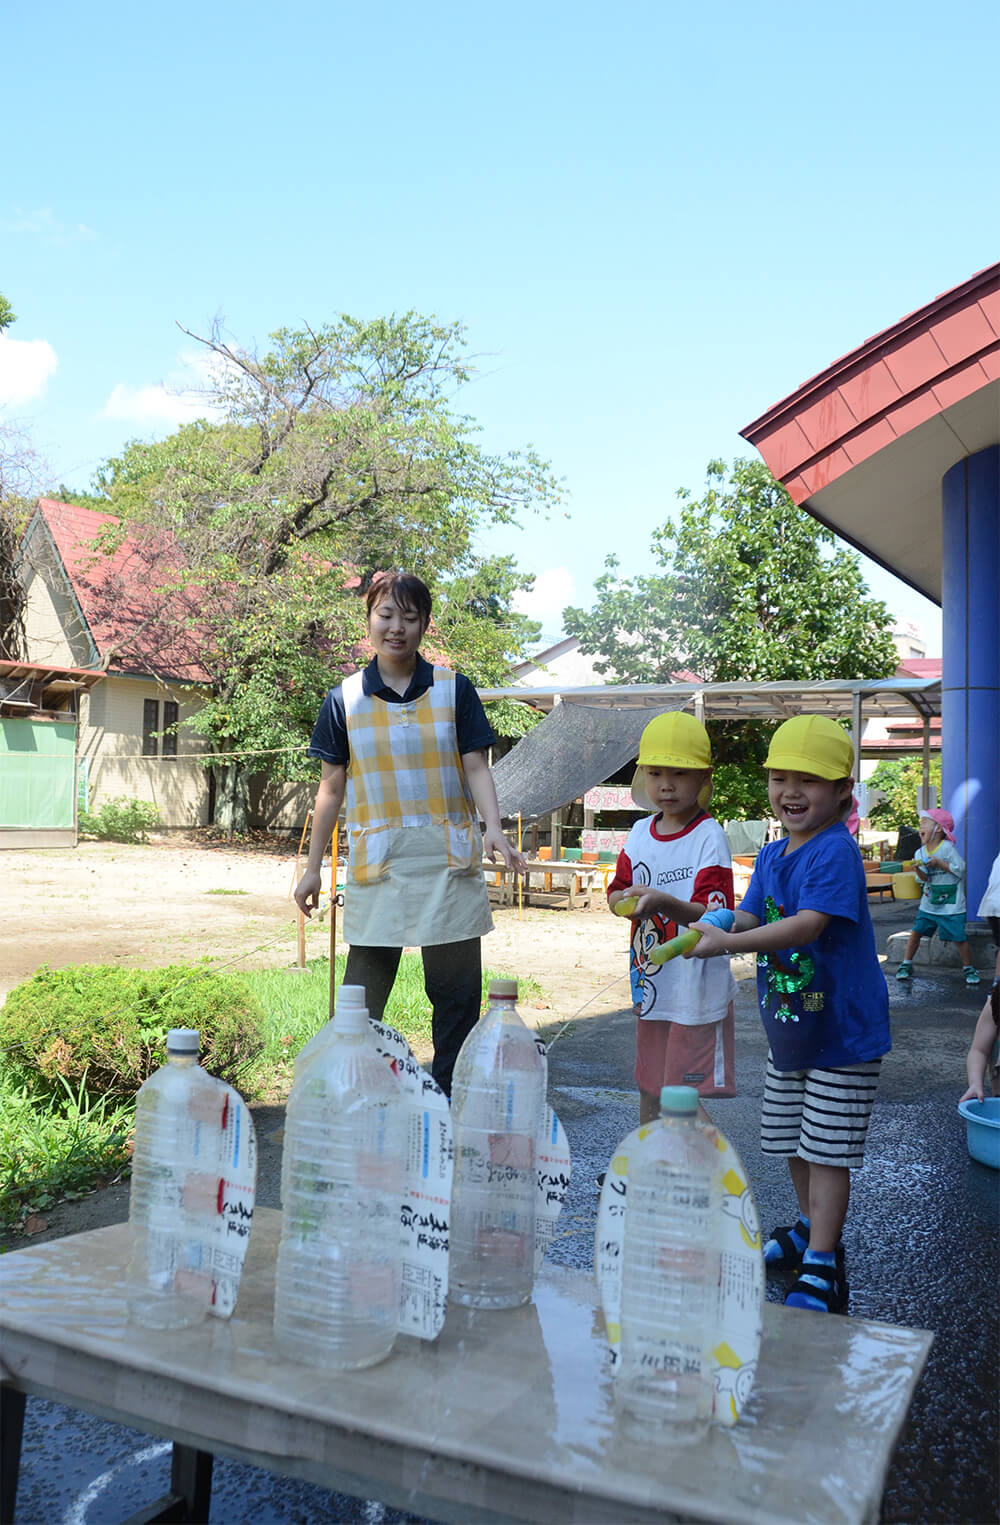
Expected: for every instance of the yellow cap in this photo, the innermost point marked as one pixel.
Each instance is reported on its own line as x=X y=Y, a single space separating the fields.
x=811 y=744
x=675 y=740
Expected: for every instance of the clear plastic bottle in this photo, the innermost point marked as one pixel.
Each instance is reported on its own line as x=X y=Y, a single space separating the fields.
x=173 y=1198
x=337 y=1290
x=670 y=1272
x=348 y=997
x=497 y=1102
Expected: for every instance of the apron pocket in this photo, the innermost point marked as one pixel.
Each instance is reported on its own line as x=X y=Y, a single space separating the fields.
x=369 y=854
x=464 y=847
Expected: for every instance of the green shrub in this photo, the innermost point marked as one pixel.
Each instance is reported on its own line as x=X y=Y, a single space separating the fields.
x=105 y=1028
x=119 y=820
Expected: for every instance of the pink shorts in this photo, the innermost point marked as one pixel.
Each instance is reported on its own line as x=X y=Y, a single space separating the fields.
x=667 y=1054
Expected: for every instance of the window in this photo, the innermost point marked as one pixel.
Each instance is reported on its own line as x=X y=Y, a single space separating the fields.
x=150 y=726
x=153 y=743
x=169 y=739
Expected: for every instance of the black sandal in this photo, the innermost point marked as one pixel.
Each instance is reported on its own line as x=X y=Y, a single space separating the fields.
x=791 y=1256
x=827 y=1284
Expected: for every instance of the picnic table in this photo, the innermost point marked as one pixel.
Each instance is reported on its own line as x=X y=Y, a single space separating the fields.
x=578 y=879
x=506 y=1416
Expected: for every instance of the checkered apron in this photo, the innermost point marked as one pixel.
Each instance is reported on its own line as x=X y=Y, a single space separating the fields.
x=415 y=873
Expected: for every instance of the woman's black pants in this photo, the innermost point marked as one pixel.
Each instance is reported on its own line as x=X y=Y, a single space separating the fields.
x=453 y=980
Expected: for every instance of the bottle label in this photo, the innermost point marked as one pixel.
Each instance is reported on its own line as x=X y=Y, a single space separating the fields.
x=426 y=1205
x=552 y=1172
x=236 y=1142
x=739 y=1308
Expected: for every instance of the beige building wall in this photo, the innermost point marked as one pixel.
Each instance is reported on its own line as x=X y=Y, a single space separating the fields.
x=52 y=624
x=111 y=751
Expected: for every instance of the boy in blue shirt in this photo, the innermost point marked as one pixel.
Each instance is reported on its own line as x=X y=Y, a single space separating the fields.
x=822 y=996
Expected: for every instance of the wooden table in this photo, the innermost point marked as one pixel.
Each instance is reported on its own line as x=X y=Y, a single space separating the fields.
x=579 y=879
x=506 y=1416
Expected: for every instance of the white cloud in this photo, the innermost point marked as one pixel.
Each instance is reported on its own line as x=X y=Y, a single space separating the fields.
x=43 y=223
x=552 y=591
x=178 y=400
x=25 y=368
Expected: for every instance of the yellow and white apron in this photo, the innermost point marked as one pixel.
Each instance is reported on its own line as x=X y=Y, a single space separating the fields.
x=414 y=876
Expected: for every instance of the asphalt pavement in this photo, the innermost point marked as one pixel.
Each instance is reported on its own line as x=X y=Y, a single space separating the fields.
x=922 y=1250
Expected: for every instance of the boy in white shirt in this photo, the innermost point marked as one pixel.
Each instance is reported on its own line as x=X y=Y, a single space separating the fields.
x=941 y=869
x=677 y=865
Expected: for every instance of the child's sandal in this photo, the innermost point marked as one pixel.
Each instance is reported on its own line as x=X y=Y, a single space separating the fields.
x=791 y=1254
x=818 y=1283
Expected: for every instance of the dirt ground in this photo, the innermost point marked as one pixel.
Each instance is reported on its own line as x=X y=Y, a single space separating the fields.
x=179 y=900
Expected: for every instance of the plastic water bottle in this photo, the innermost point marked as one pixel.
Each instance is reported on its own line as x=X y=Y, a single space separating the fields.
x=497 y=1101
x=338 y=1274
x=173 y=1199
x=670 y=1272
x=348 y=996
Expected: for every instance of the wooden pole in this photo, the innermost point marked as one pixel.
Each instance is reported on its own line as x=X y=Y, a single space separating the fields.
x=298 y=854
x=333 y=914
x=302 y=941
x=520 y=881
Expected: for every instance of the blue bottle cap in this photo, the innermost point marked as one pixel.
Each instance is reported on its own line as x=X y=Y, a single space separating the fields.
x=679 y=1100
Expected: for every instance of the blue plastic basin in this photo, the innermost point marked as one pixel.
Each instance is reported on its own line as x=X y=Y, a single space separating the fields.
x=982 y=1129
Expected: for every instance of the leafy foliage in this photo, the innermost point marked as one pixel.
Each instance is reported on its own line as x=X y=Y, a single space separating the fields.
x=334 y=455
x=899 y=779
x=743 y=585
x=119 y=820
x=105 y=1029
x=57 y=1148
x=7 y=313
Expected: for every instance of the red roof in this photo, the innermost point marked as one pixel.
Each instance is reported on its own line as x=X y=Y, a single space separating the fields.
x=135 y=625
x=919 y=667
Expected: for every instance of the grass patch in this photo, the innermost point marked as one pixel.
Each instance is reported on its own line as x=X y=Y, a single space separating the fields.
x=61 y=1147
x=297 y=1006
x=227 y=892
x=56 y=1149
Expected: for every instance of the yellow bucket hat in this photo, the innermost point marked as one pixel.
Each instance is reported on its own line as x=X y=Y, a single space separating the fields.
x=811 y=744
x=674 y=740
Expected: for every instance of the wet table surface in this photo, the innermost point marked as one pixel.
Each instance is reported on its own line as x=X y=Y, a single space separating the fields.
x=506 y=1416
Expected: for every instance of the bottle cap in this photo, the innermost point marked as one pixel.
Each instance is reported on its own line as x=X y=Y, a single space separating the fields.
x=679 y=1100
x=351 y=1012
x=503 y=990
x=183 y=1040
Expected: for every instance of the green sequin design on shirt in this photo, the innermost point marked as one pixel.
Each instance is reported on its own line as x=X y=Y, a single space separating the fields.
x=782 y=981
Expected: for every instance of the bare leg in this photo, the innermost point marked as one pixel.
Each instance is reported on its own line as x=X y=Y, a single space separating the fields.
x=912 y=945
x=829 y=1194
x=965 y=952
x=649 y=1108
x=799 y=1171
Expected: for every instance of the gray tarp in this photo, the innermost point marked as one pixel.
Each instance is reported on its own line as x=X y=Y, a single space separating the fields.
x=575 y=748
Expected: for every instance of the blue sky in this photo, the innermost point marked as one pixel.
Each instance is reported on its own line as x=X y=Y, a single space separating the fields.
x=655 y=220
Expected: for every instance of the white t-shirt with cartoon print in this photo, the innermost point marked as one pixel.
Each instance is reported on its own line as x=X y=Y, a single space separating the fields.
x=693 y=864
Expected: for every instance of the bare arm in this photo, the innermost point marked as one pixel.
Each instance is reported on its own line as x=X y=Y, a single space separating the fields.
x=684 y=912
x=748 y=936
x=978 y=1058
x=329 y=798
x=484 y=797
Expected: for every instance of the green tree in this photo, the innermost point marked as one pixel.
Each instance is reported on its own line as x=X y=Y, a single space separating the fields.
x=742 y=586
x=7 y=313
x=899 y=779
x=333 y=455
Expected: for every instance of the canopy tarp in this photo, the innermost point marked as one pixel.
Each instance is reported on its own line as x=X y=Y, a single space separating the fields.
x=572 y=750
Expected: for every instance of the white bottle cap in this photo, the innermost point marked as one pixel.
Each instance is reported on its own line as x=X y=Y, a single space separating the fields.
x=183 y=1040
x=503 y=990
x=351 y=1013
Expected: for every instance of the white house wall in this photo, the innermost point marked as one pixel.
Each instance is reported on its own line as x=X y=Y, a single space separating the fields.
x=111 y=752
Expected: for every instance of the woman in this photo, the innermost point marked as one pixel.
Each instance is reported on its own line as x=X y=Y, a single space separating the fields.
x=407 y=742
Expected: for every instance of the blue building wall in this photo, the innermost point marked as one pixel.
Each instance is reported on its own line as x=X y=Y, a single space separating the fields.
x=970 y=680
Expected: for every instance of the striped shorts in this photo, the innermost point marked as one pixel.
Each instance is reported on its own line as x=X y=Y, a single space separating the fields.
x=820 y=1115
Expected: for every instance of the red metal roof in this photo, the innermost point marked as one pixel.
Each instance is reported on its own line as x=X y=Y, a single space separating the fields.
x=135 y=627
x=891 y=416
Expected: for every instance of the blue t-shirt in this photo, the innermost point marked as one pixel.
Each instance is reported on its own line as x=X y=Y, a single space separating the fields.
x=824 y=1004
x=472 y=729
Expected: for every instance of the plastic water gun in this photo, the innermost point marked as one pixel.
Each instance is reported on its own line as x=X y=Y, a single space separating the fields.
x=723 y=919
